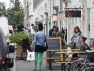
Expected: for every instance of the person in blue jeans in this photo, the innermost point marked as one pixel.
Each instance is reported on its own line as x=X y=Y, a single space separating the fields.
x=39 y=40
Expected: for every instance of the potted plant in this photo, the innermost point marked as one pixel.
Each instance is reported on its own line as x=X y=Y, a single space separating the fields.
x=17 y=38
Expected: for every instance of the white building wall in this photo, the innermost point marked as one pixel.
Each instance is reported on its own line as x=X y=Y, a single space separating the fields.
x=92 y=24
x=69 y=23
x=4 y=25
x=81 y=22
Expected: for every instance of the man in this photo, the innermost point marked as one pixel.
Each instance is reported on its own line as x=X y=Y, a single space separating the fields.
x=51 y=31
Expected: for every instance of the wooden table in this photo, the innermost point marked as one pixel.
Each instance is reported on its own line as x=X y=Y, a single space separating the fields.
x=75 y=51
x=62 y=53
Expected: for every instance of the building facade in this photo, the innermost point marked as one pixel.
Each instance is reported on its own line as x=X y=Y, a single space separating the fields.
x=46 y=10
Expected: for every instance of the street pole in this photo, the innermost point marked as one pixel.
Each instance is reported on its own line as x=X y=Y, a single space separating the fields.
x=46 y=13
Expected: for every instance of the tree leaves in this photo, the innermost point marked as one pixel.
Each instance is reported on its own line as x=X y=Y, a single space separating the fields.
x=18 y=37
x=3 y=9
x=16 y=14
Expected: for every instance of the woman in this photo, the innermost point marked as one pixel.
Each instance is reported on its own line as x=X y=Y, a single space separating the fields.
x=75 y=40
x=39 y=41
x=76 y=37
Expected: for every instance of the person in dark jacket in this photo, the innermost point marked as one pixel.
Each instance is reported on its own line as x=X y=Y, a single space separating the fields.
x=51 y=31
x=84 y=45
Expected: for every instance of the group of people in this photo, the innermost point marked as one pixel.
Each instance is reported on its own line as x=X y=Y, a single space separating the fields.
x=77 y=40
x=54 y=32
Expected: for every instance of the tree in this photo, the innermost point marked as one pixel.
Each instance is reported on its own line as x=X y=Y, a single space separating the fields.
x=16 y=14
x=2 y=8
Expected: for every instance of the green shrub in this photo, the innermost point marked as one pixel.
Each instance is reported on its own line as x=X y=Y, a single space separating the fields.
x=18 y=37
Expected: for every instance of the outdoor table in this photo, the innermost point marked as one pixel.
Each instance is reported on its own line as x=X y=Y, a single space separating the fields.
x=49 y=57
x=74 y=51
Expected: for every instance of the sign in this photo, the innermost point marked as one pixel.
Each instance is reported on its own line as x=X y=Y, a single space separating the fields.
x=54 y=43
x=90 y=3
x=73 y=13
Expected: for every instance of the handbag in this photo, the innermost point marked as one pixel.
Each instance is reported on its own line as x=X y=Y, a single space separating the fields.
x=30 y=55
x=45 y=44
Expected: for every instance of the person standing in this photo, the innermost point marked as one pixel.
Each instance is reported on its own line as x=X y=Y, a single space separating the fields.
x=39 y=40
x=76 y=37
x=75 y=40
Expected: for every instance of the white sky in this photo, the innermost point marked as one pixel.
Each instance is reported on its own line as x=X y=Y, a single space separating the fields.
x=7 y=2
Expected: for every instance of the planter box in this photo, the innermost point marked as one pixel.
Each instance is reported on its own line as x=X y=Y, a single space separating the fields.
x=18 y=52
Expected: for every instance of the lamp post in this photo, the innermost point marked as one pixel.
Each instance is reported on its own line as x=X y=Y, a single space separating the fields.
x=55 y=15
x=46 y=14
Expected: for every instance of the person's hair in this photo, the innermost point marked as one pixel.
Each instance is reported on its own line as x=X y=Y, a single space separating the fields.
x=54 y=26
x=40 y=26
x=77 y=28
x=84 y=38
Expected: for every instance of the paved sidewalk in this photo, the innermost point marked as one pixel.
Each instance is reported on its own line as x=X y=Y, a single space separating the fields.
x=29 y=66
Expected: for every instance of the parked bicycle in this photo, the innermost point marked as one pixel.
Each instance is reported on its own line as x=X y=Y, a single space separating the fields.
x=85 y=63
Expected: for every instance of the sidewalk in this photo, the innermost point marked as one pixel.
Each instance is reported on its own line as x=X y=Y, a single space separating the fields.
x=29 y=66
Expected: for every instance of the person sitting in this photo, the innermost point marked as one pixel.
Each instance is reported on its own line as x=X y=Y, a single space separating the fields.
x=51 y=31
x=56 y=32
x=84 y=45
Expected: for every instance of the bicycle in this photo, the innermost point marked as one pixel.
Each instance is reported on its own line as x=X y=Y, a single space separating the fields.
x=84 y=63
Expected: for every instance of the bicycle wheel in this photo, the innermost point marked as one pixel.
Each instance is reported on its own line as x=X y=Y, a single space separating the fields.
x=75 y=66
x=88 y=69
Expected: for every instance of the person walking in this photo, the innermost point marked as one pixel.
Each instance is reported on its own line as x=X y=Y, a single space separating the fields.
x=39 y=41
